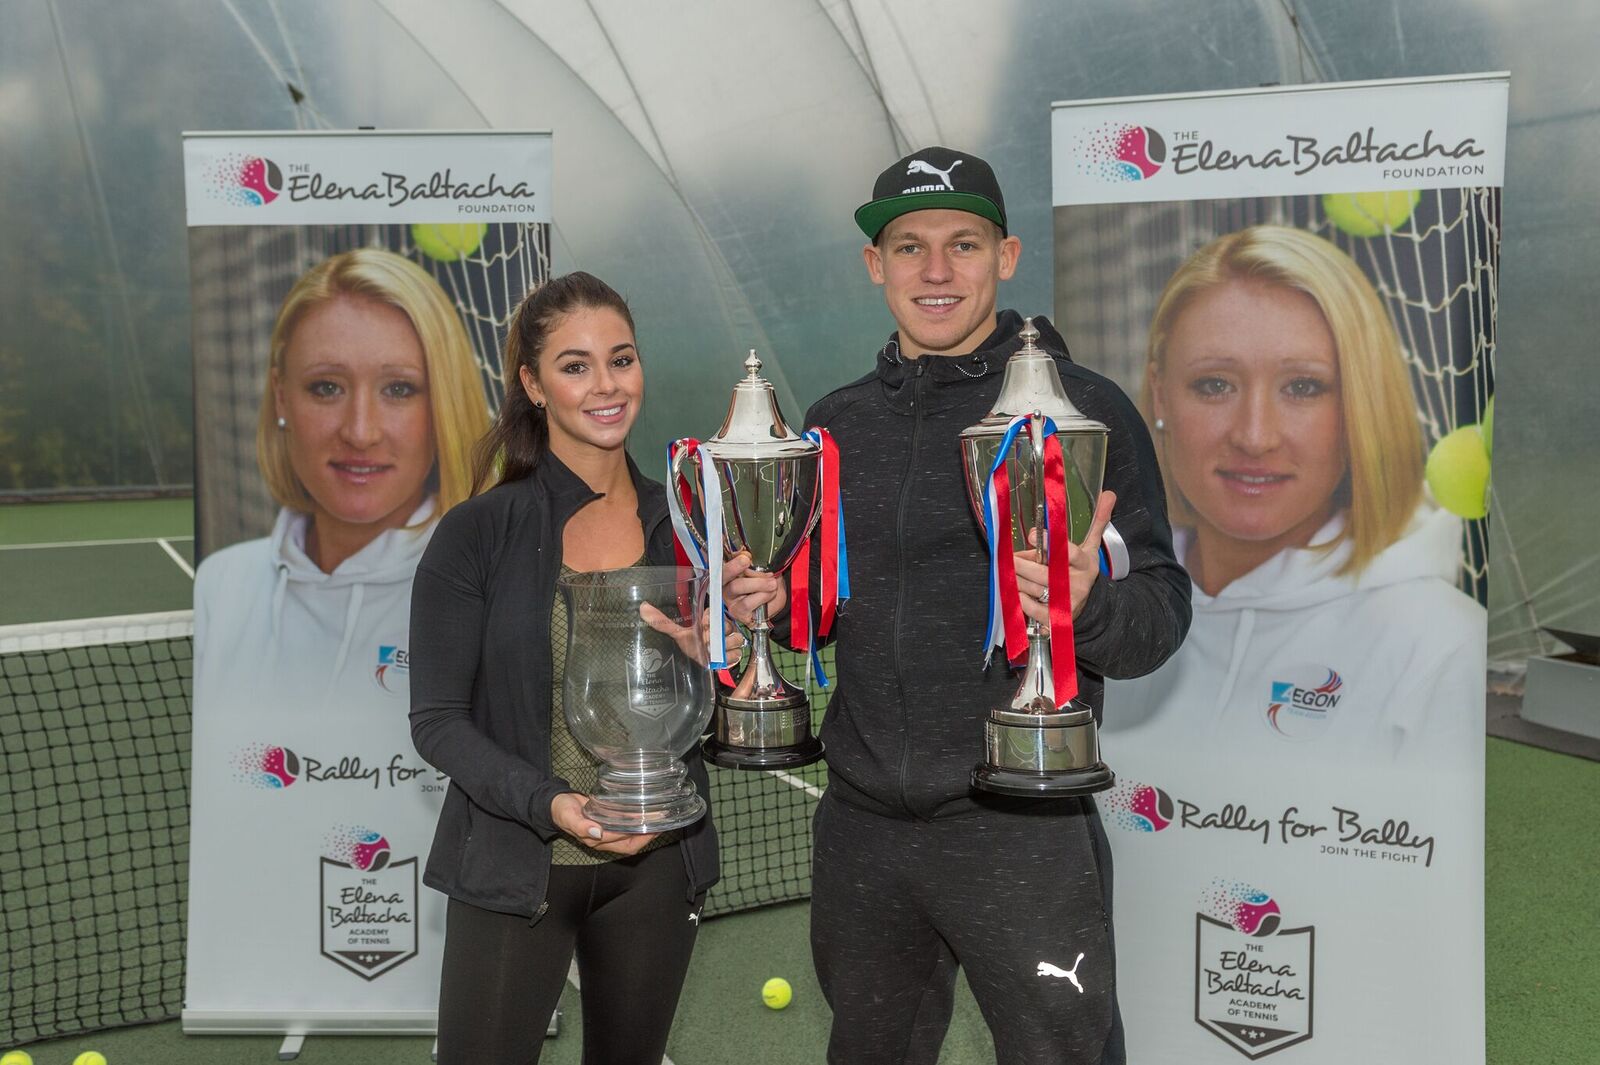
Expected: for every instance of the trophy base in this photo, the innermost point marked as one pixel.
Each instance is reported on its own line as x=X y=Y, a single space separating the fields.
x=645 y=798
x=637 y=820
x=730 y=757
x=1042 y=754
x=762 y=733
x=1049 y=784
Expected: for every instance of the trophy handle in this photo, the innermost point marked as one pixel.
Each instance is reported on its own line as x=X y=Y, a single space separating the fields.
x=673 y=501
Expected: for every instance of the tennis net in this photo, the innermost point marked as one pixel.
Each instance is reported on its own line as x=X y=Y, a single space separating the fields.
x=94 y=823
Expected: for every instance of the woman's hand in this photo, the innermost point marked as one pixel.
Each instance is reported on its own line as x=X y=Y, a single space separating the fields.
x=566 y=810
x=743 y=590
x=1082 y=559
x=697 y=647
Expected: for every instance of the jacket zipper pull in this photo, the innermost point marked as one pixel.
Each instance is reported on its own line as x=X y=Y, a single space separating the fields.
x=916 y=378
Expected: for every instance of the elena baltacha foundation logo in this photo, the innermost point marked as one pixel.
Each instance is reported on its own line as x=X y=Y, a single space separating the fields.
x=369 y=902
x=1252 y=976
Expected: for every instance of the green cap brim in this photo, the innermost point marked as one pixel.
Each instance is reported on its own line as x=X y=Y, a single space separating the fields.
x=872 y=217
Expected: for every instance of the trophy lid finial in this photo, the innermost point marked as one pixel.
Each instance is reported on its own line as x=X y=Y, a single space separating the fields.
x=1029 y=337
x=752 y=365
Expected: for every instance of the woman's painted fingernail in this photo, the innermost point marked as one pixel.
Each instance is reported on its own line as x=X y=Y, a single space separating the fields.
x=594 y=832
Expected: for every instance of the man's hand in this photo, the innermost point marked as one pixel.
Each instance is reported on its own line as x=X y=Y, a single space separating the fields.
x=566 y=810
x=1083 y=559
x=744 y=590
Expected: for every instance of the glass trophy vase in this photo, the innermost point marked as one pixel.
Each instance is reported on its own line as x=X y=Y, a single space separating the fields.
x=638 y=690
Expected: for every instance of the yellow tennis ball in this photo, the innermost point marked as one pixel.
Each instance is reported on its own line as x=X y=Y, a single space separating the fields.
x=776 y=993
x=1458 y=472
x=447 y=241
x=90 y=1057
x=1367 y=214
x=16 y=1057
x=1488 y=427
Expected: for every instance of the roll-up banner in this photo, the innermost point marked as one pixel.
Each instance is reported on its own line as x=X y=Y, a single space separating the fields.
x=1299 y=285
x=350 y=297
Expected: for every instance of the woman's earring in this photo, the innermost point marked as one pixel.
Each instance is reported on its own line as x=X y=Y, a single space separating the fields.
x=283 y=423
x=1161 y=425
x=538 y=406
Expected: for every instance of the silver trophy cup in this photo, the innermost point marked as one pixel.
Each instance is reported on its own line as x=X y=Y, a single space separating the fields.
x=1033 y=746
x=768 y=478
x=637 y=692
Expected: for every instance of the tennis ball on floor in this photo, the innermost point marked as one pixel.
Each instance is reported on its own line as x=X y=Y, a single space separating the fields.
x=90 y=1057
x=1458 y=472
x=447 y=241
x=776 y=993
x=1367 y=214
x=1488 y=427
x=16 y=1057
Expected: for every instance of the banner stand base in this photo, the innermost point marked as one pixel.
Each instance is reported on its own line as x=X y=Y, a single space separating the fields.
x=296 y=1027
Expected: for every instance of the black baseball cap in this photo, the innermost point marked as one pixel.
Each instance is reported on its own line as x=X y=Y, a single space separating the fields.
x=932 y=178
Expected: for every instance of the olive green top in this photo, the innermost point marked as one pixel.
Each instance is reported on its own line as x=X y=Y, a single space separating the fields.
x=568 y=759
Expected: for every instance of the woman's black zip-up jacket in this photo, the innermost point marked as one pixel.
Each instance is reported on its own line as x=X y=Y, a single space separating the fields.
x=481 y=686
x=905 y=724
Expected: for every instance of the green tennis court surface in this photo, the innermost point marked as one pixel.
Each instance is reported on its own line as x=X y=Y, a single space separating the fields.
x=84 y=560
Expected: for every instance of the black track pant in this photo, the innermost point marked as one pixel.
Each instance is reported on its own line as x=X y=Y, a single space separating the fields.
x=1013 y=899
x=633 y=932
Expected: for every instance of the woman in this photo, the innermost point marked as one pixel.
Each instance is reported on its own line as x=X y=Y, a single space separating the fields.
x=370 y=406
x=1326 y=616
x=531 y=879
x=364 y=438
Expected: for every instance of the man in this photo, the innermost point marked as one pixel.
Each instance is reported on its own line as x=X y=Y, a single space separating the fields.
x=914 y=872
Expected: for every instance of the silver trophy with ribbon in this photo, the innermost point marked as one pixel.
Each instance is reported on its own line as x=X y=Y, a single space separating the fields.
x=637 y=690
x=1034 y=467
x=757 y=485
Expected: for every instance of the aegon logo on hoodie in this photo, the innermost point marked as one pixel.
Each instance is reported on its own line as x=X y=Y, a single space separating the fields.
x=394 y=664
x=1300 y=707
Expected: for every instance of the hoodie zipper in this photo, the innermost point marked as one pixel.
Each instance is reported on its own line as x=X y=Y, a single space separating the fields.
x=900 y=590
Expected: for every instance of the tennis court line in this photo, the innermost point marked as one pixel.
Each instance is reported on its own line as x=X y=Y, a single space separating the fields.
x=795 y=782
x=94 y=543
x=182 y=562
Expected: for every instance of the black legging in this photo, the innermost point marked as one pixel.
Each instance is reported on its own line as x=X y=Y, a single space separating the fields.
x=633 y=931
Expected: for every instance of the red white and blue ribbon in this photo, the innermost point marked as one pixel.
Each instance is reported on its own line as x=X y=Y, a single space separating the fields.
x=834 y=560
x=1007 y=626
x=680 y=507
x=680 y=503
x=1114 y=560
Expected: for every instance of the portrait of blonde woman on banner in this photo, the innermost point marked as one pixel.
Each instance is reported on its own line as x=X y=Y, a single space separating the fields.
x=1328 y=624
x=370 y=410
